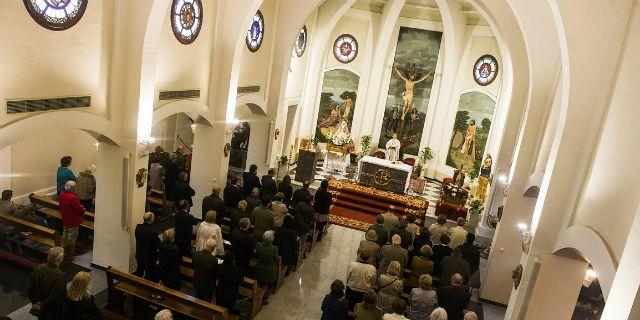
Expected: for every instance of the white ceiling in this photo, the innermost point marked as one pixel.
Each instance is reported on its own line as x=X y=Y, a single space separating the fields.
x=423 y=10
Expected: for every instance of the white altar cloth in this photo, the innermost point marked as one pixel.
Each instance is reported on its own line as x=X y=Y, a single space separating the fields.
x=336 y=161
x=388 y=164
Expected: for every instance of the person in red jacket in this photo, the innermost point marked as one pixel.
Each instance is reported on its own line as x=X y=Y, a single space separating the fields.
x=72 y=216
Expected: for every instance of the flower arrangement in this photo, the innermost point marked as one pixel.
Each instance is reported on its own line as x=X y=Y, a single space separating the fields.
x=425 y=155
x=340 y=139
x=283 y=160
x=365 y=144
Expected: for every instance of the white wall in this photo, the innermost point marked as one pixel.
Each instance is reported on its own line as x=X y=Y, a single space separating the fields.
x=5 y=168
x=258 y=140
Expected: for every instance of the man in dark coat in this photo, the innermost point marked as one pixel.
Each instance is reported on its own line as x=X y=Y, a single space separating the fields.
x=243 y=244
x=181 y=158
x=269 y=187
x=182 y=190
x=253 y=201
x=183 y=223
x=440 y=251
x=382 y=234
x=205 y=271
x=250 y=180
x=47 y=289
x=215 y=203
x=304 y=215
x=471 y=253
x=171 y=172
x=147 y=244
x=454 y=298
x=232 y=194
x=230 y=278
x=405 y=235
x=302 y=194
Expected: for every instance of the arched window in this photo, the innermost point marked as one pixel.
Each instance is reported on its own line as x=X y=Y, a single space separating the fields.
x=186 y=20
x=301 y=42
x=56 y=15
x=345 y=48
x=255 y=33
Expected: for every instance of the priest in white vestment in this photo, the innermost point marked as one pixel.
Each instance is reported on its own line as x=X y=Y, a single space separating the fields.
x=393 y=148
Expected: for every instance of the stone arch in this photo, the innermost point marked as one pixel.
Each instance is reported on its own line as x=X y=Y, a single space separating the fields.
x=196 y=110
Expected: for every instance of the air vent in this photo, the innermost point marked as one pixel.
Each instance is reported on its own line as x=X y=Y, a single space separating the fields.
x=39 y=105
x=248 y=89
x=179 y=95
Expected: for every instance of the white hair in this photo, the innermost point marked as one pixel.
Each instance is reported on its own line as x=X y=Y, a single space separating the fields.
x=164 y=315
x=69 y=185
x=470 y=315
x=396 y=239
x=438 y=314
x=56 y=255
x=268 y=236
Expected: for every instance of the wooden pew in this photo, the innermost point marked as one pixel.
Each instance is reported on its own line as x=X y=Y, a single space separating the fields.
x=40 y=234
x=44 y=211
x=123 y=283
x=248 y=288
x=53 y=204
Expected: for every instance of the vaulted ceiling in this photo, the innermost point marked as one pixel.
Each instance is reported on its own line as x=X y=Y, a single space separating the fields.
x=424 y=10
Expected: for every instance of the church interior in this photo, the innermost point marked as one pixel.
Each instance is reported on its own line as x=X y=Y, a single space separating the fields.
x=320 y=159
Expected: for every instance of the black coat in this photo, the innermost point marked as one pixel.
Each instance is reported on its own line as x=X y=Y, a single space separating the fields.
x=286 y=240
x=215 y=203
x=182 y=191
x=47 y=285
x=229 y=281
x=171 y=172
x=439 y=252
x=288 y=192
x=169 y=260
x=304 y=217
x=301 y=195
x=183 y=223
x=236 y=216
x=252 y=203
x=232 y=196
x=334 y=309
x=322 y=201
x=147 y=243
x=81 y=310
x=471 y=254
x=243 y=245
x=205 y=272
x=269 y=187
x=454 y=300
x=250 y=181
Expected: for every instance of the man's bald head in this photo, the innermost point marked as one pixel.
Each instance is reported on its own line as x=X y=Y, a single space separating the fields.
x=396 y=239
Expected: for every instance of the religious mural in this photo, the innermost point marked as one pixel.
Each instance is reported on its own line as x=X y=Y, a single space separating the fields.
x=240 y=145
x=410 y=88
x=337 y=101
x=470 y=131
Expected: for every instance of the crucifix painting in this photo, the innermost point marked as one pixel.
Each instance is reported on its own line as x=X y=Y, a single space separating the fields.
x=409 y=83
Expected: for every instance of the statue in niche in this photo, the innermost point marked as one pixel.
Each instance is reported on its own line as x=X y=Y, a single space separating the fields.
x=409 y=83
x=348 y=104
x=393 y=121
x=332 y=119
x=469 y=146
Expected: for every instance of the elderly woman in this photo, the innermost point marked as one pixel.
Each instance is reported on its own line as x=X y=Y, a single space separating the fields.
x=390 y=287
x=266 y=263
x=335 y=306
x=279 y=209
x=360 y=277
x=368 y=308
x=209 y=229
x=423 y=299
x=421 y=265
x=287 y=242
x=370 y=245
x=438 y=314
x=169 y=260
x=80 y=303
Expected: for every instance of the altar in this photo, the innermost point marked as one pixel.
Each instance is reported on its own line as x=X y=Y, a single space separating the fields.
x=383 y=174
x=336 y=161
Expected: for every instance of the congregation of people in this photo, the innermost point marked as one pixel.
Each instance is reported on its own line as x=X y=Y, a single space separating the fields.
x=404 y=271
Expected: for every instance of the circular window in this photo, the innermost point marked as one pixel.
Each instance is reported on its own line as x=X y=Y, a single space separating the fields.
x=485 y=70
x=255 y=34
x=186 y=20
x=345 y=48
x=56 y=14
x=301 y=41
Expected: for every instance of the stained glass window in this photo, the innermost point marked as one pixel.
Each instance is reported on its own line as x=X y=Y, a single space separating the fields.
x=56 y=14
x=345 y=48
x=186 y=20
x=255 y=33
x=301 y=41
x=485 y=70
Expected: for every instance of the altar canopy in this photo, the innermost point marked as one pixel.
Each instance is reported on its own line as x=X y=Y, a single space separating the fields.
x=383 y=174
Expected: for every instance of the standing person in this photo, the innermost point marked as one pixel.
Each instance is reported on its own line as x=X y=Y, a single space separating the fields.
x=302 y=194
x=392 y=252
x=262 y=219
x=239 y=213
x=423 y=299
x=438 y=314
x=279 y=210
x=86 y=187
x=287 y=242
x=398 y=308
x=390 y=219
x=229 y=280
x=156 y=176
x=438 y=229
x=440 y=251
x=303 y=214
x=390 y=286
x=421 y=264
x=269 y=187
x=382 y=234
x=169 y=259
x=72 y=217
x=360 y=276
x=457 y=234
x=181 y=158
x=64 y=173
x=147 y=244
x=369 y=244
x=401 y=230
x=183 y=223
x=209 y=229
x=454 y=298
x=266 y=263
x=182 y=190
x=171 y=172
x=243 y=244
x=422 y=239
x=471 y=253
x=253 y=200
x=250 y=180
x=205 y=271
x=232 y=194
x=412 y=227
x=286 y=188
x=454 y=264
x=334 y=305
x=163 y=315
x=470 y=315
x=81 y=304
x=47 y=288
x=215 y=203
x=158 y=155
x=368 y=309
x=322 y=203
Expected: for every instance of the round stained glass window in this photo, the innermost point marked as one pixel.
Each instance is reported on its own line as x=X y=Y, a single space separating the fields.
x=186 y=20
x=345 y=48
x=255 y=34
x=485 y=70
x=56 y=14
x=301 y=42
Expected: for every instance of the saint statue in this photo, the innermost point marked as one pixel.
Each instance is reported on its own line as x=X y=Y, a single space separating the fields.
x=394 y=120
x=348 y=104
x=342 y=135
x=332 y=119
x=485 y=170
x=393 y=148
x=409 y=84
x=469 y=146
x=484 y=179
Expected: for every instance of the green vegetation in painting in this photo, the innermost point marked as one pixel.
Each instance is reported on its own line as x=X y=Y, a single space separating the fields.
x=337 y=101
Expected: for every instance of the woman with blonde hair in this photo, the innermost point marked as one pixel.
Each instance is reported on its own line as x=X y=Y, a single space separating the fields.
x=209 y=229
x=423 y=299
x=390 y=287
x=80 y=303
x=169 y=260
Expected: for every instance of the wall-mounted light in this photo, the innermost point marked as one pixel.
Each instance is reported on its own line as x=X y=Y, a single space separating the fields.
x=589 y=277
x=145 y=145
x=503 y=178
x=97 y=145
x=276 y=134
x=193 y=127
x=525 y=236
